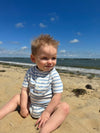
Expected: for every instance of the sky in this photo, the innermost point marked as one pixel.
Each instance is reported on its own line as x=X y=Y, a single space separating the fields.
x=74 y=23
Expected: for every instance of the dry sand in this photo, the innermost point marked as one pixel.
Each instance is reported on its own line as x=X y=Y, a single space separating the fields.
x=84 y=114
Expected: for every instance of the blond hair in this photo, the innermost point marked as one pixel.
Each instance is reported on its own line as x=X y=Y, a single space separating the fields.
x=43 y=40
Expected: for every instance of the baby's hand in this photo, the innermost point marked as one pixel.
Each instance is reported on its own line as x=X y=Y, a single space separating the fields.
x=24 y=112
x=43 y=119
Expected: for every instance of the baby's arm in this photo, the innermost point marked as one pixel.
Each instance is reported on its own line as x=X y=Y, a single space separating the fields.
x=49 y=110
x=54 y=102
x=24 y=102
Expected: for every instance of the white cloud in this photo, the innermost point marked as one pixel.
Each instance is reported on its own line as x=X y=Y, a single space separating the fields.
x=15 y=53
x=53 y=16
x=78 y=33
x=19 y=25
x=67 y=54
x=14 y=42
x=42 y=25
x=24 y=48
x=52 y=19
x=1 y=42
x=74 y=41
x=62 y=51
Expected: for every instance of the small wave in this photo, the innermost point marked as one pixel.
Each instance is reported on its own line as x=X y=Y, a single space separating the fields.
x=17 y=63
x=81 y=70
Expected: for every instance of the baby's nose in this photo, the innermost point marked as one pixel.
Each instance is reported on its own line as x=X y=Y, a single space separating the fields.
x=49 y=61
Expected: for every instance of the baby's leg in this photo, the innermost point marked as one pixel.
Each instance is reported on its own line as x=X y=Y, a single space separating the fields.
x=56 y=118
x=10 y=106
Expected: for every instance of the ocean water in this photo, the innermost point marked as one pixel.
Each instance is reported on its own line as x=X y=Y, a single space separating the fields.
x=83 y=65
x=80 y=63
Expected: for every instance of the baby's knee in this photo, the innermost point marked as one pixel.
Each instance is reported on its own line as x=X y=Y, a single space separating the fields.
x=16 y=99
x=65 y=107
x=17 y=96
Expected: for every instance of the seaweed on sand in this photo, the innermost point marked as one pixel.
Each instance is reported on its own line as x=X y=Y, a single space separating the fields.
x=2 y=70
x=79 y=92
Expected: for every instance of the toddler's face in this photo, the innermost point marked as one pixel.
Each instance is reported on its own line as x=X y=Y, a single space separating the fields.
x=46 y=57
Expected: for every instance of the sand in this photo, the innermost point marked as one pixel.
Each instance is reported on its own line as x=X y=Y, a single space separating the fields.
x=84 y=114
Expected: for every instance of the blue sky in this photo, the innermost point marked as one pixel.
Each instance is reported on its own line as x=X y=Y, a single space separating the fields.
x=75 y=23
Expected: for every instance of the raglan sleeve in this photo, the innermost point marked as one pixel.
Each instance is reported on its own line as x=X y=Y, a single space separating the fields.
x=57 y=85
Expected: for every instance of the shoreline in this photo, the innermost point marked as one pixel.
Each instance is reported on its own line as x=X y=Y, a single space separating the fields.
x=74 y=70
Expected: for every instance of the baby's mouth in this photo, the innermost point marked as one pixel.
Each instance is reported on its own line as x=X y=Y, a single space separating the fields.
x=49 y=66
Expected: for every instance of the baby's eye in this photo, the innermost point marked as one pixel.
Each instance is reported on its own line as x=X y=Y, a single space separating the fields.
x=53 y=58
x=44 y=58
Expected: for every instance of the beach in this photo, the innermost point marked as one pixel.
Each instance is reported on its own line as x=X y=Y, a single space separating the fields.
x=81 y=92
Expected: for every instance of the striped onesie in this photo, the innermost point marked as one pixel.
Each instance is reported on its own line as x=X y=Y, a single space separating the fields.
x=42 y=85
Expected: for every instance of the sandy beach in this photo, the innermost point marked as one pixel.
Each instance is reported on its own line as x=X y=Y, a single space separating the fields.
x=84 y=114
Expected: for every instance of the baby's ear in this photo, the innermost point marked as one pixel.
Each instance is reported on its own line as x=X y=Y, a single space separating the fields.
x=32 y=58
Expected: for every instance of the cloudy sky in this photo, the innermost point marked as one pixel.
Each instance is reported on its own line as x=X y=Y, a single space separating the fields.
x=75 y=23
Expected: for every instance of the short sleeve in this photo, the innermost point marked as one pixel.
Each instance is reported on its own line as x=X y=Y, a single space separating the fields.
x=57 y=85
x=25 y=82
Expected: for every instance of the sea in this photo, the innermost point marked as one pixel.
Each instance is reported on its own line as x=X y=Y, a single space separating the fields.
x=77 y=65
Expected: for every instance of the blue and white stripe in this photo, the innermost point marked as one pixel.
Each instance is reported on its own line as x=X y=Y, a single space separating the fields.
x=42 y=86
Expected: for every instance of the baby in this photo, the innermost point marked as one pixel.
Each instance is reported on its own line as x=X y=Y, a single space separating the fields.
x=41 y=89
